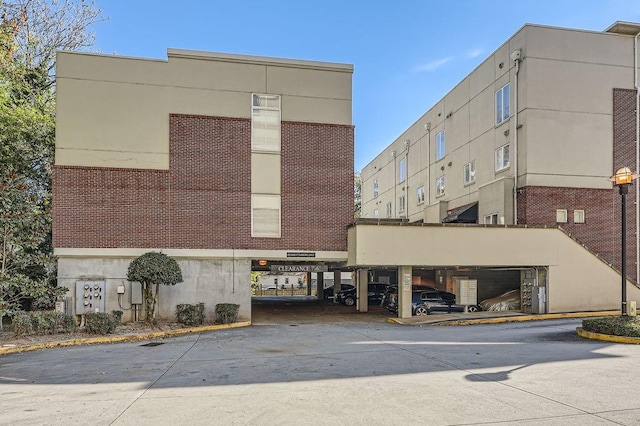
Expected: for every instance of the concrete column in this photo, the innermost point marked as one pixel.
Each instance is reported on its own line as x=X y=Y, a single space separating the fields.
x=319 y=284
x=362 y=289
x=337 y=281
x=404 y=291
x=308 y=275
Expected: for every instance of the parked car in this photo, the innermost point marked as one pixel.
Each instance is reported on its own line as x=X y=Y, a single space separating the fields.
x=328 y=292
x=427 y=302
x=391 y=293
x=374 y=295
x=509 y=301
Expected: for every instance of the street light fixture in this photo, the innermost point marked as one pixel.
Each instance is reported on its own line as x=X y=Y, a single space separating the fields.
x=623 y=178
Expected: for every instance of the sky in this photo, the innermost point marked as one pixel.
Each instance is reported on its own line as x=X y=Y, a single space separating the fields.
x=407 y=54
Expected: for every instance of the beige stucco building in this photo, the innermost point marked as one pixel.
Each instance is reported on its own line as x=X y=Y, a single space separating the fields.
x=529 y=139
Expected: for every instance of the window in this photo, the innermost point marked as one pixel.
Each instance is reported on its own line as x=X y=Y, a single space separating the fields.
x=491 y=219
x=402 y=170
x=389 y=213
x=578 y=216
x=470 y=173
x=502 y=104
x=375 y=213
x=376 y=187
x=440 y=145
x=420 y=192
x=561 y=216
x=265 y=123
x=440 y=186
x=502 y=158
x=402 y=203
x=265 y=216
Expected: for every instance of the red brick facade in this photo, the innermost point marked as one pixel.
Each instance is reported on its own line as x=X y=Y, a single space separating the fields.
x=204 y=200
x=601 y=230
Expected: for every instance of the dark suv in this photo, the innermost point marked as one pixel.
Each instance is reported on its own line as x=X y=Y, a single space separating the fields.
x=427 y=302
x=390 y=296
x=374 y=295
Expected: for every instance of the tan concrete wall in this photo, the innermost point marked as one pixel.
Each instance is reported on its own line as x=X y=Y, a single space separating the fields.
x=578 y=280
x=114 y=111
x=566 y=79
x=210 y=281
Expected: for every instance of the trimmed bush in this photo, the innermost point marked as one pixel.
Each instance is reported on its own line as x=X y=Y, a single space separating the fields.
x=226 y=313
x=626 y=326
x=43 y=322
x=190 y=314
x=102 y=323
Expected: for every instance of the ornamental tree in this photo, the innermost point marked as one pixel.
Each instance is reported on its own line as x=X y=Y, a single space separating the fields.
x=153 y=268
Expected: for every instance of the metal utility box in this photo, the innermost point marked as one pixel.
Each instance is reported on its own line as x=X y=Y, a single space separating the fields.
x=90 y=297
x=631 y=308
x=538 y=299
x=467 y=292
x=136 y=293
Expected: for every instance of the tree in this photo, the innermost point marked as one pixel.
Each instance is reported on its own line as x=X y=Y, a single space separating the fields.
x=31 y=31
x=357 y=195
x=153 y=268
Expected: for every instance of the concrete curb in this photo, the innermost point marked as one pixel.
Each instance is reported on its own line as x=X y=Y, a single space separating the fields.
x=607 y=337
x=122 y=338
x=500 y=320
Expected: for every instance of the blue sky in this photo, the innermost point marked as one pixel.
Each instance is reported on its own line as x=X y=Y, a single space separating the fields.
x=407 y=54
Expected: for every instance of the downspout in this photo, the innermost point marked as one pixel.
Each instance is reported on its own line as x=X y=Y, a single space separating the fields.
x=395 y=185
x=637 y=200
x=407 y=143
x=515 y=56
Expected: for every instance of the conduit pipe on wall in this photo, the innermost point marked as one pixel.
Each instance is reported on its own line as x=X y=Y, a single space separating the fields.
x=515 y=56
x=637 y=86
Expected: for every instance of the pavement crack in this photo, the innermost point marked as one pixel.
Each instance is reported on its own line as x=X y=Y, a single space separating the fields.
x=137 y=398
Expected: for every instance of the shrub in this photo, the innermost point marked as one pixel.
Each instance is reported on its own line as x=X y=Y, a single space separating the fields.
x=102 y=323
x=226 y=313
x=43 y=322
x=22 y=324
x=190 y=314
x=626 y=326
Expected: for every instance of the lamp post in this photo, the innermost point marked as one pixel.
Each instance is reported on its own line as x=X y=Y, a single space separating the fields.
x=624 y=178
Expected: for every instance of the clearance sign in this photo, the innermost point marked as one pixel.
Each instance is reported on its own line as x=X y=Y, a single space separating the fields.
x=299 y=268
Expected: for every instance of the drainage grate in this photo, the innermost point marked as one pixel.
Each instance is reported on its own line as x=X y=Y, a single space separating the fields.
x=151 y=344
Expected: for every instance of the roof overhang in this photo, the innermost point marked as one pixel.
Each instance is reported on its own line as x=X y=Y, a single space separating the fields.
x=625 y=28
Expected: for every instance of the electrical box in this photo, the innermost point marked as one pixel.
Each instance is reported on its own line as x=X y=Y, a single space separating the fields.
x=90 y=297
x=136 y=293
x=631 y=308
x=120 y=289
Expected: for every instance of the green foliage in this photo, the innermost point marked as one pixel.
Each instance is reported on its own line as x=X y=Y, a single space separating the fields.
x=357 y=195
x=102 y=323
x=43 y=322
x=627 y=326
x=153 y=268
x=190 y=314
x=255 y=282
x=226 y=313
x=31 y=31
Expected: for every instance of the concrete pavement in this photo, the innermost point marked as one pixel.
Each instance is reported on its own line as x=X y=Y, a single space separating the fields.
x=533 y=373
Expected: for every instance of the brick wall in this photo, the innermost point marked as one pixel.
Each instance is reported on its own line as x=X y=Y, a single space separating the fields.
x=601 y=230
x=204 y=200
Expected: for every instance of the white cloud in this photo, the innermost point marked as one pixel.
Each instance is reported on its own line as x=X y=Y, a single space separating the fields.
x=475 y=52
x=433 y=65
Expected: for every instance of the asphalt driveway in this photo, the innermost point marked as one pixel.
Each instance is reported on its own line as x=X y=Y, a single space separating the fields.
x=340 y=373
